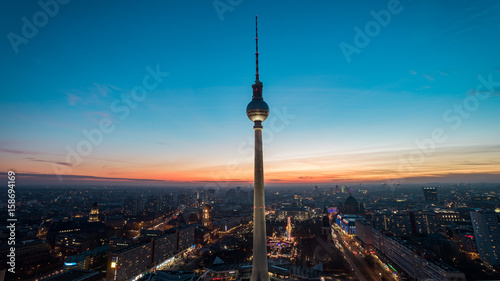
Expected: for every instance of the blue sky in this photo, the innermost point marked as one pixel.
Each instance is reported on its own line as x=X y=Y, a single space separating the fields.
x=352 y=121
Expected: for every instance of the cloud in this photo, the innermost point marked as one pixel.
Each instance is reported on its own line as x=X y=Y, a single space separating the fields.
x=489 y=13
x=73 y=99
x=379 y=163
x=428 y=77
x=226 y=181
x=423 y=88
x=93 y=95
x=49 y=161
x=80 y=177
x=18 y=151
x=455 y=177
x=487 y=93
x=413 y=72
x=103 y=90
x=98 y=113
x=96 y=116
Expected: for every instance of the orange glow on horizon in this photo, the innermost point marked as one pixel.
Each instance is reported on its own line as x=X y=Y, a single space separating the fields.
x=378 y=166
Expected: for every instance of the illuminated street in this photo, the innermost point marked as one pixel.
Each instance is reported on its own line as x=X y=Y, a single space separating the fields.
x=355 y=254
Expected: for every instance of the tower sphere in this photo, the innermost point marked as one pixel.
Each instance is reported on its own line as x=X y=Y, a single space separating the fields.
x=257 y=110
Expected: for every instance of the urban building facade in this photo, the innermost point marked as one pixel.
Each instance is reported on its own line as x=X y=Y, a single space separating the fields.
x=487 y=234
x=430 y=194
x=295 y=213
x=129 y=262
x=414 y=262
x=164 y=247
x=398 y=223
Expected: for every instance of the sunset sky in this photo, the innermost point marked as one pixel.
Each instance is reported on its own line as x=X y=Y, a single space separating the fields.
x=419 y=101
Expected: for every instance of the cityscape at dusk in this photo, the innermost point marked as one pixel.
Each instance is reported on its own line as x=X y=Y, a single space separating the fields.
x=234 y=140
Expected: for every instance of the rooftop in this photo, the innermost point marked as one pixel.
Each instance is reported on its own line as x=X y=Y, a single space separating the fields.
x=77 y=258
x=130 y=248
x=75 y=275
x=280 y=269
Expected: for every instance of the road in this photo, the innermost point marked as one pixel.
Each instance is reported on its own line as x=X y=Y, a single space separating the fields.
x=158 y=226
x=380 y=270
x=356 y=261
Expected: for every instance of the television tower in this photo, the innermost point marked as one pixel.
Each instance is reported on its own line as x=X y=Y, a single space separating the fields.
x=257 y=111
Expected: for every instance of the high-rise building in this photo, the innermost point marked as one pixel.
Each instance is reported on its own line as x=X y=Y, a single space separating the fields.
x=364 y=232
x=430 y=194
x=185 y=237
x=468 y=243
x=230 y=196
x=417 y=263
x=238 y=194
x=94 y=213
x=125 y=263
x=130 y=207
x=257 y=112
x=129 y=262
x=164 y=247
x=487 y=234
x=423 y=222
x=206 y=217
x=153 y=205
x=398 y=223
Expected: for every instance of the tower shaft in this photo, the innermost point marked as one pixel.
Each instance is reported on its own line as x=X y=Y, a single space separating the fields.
x=259 y=270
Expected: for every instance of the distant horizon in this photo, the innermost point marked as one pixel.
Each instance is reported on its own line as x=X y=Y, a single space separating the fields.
x=156 y=92
x=31 y=180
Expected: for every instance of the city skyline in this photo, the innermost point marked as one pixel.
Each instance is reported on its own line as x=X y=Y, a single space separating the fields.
x=416 y=103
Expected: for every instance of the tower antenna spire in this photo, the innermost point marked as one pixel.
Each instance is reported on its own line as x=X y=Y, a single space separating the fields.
x=256 y=51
